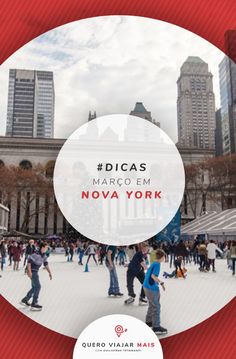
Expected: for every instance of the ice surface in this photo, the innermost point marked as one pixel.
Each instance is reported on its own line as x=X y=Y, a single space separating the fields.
x=73 y=299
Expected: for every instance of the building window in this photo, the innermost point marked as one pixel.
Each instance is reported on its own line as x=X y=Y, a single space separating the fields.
x=50 y=168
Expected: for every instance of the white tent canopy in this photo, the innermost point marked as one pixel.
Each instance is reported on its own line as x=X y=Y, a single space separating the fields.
x=223 y=223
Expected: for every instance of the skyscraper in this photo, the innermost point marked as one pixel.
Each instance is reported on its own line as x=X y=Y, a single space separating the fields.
x=195 y=105
x=140 y=111
x=227 y=74
x=31 y=98
x=218 y=134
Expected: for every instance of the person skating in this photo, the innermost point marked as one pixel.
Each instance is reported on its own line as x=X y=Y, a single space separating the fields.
x=211 y=253
x=80 y=252
x=102 y=253
x=178 y=266
x=91 y=251
x=151 y=287
x=121 y=256
x=30 y=249
x=179 y=272
x=172 y=252
x=181 y=250
x=232 y=254
x=202 y=253
x=35 y=261
x=16 y=256
x=3 y=253
x=114 y=288
x=71 y=252
x=195 y=252
x=136 y=269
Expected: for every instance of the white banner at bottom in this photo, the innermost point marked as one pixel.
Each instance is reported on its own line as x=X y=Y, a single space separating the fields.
x=113 y=335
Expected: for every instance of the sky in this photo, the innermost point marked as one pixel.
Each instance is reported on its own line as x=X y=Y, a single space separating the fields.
x=108 y=64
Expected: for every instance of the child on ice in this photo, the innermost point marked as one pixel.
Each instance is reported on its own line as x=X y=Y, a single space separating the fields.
x=152 y=291
x=179 y=272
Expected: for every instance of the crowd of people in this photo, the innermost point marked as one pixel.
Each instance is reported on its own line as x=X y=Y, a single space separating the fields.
x=14 y=251
x=142 y=262
x=199 y=252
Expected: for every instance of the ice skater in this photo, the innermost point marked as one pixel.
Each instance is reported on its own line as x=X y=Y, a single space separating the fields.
x=17 y=250
x=30 y=249
x=179 y=272
x=152 y=291
x=102 y=253
x=121 y=256
x=71 y=252
x=211 y=254
x=136 y=269
x=35 y=261
x=232 y=254
x=3 y=253
x=91 y=251
x=202 y=253
x=114 y=288
x=80 y=252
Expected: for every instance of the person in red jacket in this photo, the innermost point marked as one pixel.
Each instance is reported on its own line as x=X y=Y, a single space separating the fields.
x=16 y=250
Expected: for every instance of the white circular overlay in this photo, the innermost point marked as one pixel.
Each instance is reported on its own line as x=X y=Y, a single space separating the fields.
x=116 y=336
x=119 y=179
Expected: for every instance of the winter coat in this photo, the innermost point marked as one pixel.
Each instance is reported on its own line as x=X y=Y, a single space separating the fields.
x=16 y=254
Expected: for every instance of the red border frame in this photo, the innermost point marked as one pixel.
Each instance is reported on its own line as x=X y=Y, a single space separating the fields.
x=20 y=22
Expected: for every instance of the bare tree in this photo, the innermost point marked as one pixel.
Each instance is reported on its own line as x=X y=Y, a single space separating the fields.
x=211 y=180
x=223 y=174
x=21 y=186
x=197 y=186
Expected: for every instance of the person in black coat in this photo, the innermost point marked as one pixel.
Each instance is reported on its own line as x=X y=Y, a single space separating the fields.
x=181 y=250
x=30 y=249
x=3 y=253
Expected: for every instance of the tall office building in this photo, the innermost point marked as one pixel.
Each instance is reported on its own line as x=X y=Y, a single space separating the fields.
x=195 y=105
x=218 y=134
x=31 y=98
x=227 y=74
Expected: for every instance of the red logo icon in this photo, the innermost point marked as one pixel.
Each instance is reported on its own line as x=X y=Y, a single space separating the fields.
x=120 y=330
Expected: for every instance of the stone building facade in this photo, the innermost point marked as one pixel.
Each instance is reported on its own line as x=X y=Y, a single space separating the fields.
x=44 y=151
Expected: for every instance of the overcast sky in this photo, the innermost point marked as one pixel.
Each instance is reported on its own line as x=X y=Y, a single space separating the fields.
x=109 y=63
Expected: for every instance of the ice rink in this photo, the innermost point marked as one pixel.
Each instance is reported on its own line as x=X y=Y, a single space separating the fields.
x=74 y=298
